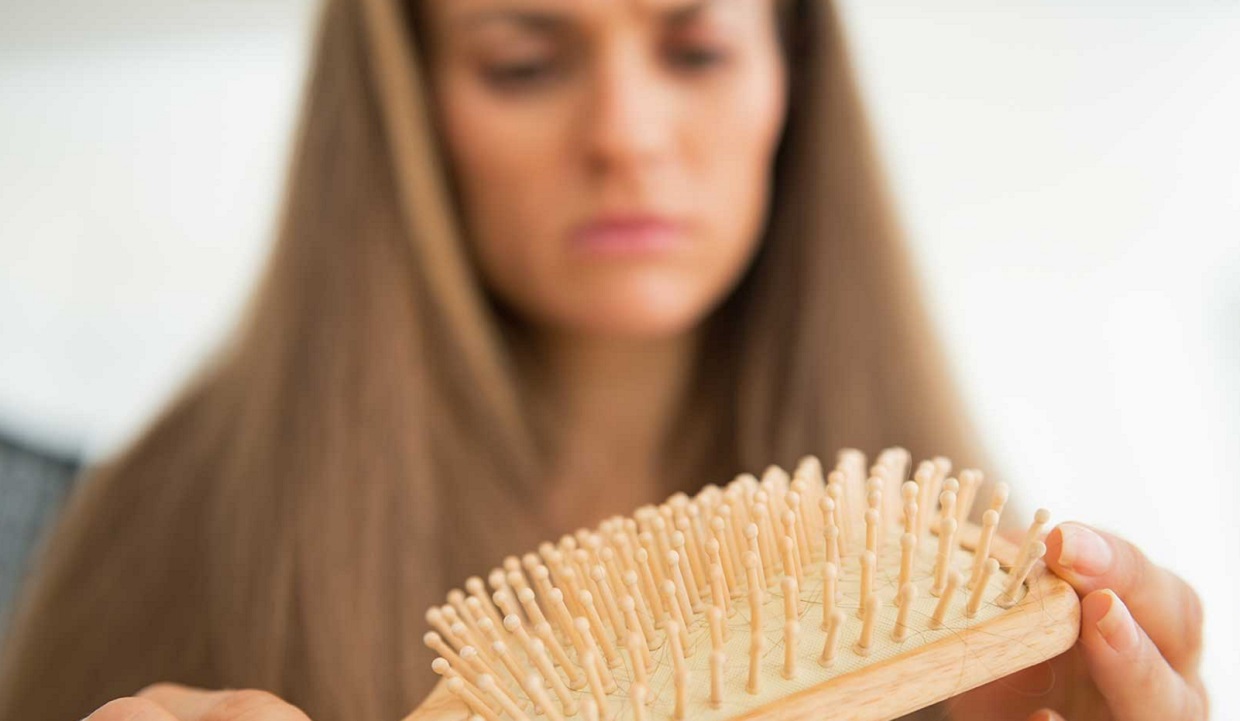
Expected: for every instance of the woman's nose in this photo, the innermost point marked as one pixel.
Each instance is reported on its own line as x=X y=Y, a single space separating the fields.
x=630 y=116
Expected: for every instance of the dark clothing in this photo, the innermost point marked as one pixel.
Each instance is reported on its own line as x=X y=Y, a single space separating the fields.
x=33 y=486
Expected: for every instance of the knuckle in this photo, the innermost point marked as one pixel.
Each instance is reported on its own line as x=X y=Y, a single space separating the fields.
x=1165 y=688
x=1151 y=672
x=129 y=708
x=253 y=705
x=1192 y=704
x=1136 y=566
x=1203 y=700
x=1157 y=680
x=1194 y=618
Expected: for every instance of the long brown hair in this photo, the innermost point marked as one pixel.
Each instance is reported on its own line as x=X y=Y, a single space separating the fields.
x=285 y=522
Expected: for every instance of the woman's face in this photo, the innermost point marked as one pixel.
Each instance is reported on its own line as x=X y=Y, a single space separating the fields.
x=613 y=156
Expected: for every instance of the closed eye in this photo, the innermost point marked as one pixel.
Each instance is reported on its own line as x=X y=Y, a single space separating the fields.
x=697 y=59
x=519 y=74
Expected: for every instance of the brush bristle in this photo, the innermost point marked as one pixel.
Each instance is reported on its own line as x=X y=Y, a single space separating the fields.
x=719 y=604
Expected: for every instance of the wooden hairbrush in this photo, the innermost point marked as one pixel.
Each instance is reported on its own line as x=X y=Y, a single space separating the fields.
x=866 y=597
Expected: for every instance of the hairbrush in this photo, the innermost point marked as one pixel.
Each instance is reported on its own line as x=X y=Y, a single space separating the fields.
x=865 y=596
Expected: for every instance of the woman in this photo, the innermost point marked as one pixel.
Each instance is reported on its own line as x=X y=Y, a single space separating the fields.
x=541 y=261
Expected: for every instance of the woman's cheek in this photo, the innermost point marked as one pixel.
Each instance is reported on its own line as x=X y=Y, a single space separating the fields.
x=506 y=175
x=743 y=137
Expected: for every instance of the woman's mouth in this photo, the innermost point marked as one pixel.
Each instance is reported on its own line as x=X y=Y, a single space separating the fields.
x=627 y=236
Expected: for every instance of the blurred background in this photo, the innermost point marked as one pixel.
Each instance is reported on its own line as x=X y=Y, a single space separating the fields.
x=1069 y=173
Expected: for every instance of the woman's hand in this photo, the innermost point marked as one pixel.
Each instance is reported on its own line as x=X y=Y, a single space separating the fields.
x=1139 y=649
x=174 y=702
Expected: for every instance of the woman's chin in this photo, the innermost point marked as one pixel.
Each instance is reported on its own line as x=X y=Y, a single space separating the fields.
x=635 y=318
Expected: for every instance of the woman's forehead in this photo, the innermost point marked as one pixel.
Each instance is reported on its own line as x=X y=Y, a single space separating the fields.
x=480 y=11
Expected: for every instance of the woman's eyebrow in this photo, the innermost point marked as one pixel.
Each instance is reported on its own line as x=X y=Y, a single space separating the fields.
x=538 y=20
x=673 y=12
x=681 y=12
x=678 y=13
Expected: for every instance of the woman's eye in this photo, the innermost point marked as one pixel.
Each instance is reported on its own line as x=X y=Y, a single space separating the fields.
x=514 y=75
x=697 y=58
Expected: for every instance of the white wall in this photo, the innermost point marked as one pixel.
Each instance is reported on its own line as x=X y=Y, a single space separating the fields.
x=142 y=144
x=1070 y=174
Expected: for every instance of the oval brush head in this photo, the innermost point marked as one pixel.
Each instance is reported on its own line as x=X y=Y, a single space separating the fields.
x=865 y=595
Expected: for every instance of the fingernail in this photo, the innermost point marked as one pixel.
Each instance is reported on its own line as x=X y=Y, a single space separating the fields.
x=1116 y=625
x=1083 y=551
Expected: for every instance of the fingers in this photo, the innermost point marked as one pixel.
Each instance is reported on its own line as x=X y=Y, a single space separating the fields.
x=192 y=704
x=130 y=709
x=1163 y=604
x=182 y=701
x=1126 y=666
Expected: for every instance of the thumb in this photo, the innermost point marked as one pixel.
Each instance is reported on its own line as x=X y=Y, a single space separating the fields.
x=193 y=704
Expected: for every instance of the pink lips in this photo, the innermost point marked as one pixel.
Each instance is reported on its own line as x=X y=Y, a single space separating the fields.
x=625 y=236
